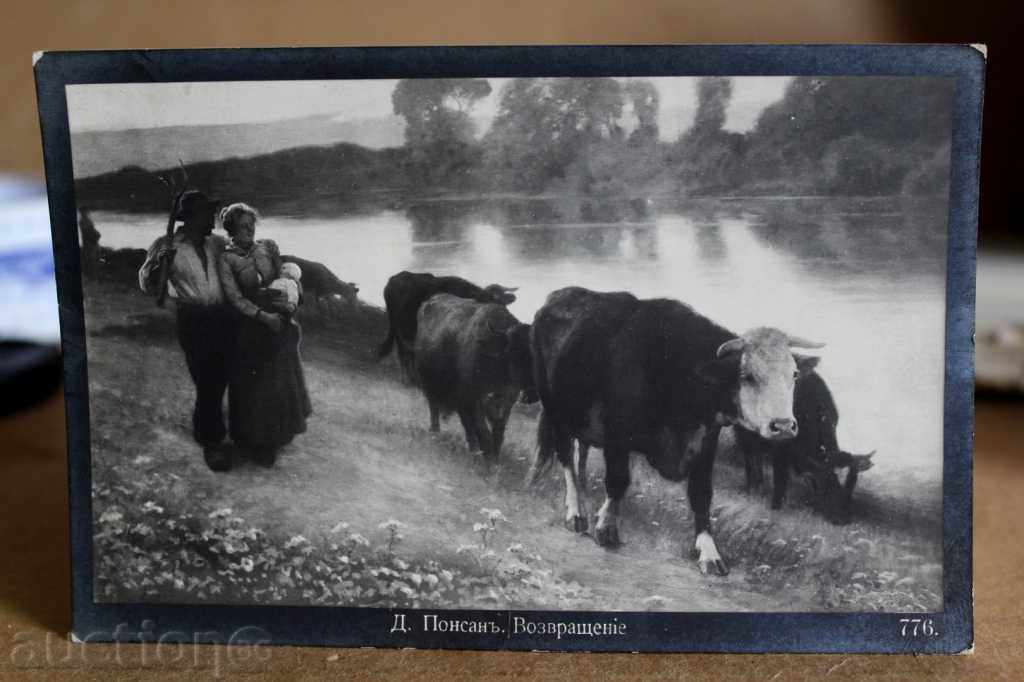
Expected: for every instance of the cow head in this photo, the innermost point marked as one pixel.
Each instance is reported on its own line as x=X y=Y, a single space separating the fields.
x=512 y=346
x=495 y=293
x=759 y=370
x=835 y=498
x=345 y=292
x=818 y=450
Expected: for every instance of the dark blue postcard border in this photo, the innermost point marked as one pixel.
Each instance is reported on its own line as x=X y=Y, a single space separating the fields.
x=951 y=630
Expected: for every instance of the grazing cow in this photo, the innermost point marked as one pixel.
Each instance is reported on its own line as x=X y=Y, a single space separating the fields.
x=318 y=282
x=406 y=291
x=472 y=358
x=814 y=453
x=657 y=378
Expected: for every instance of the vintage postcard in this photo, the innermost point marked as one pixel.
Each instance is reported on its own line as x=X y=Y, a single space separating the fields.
x=648 y=348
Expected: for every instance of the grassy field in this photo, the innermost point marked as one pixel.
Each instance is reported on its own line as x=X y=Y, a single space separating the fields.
x=368 y=508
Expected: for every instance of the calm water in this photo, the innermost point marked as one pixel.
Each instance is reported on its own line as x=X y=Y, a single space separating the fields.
x=867 y=277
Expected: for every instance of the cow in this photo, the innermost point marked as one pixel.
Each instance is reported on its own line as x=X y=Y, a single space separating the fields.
x=472 y=358
x=406 y=291
x=657 y=378
x=318 y=282
x=814 y=453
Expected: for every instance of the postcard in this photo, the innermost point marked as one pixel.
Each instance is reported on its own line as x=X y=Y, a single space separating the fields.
x=545 y=348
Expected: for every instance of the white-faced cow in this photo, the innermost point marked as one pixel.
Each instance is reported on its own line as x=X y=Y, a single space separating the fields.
x=472 y=358
x=656 y=378
x=813 y=454
x=405 y=293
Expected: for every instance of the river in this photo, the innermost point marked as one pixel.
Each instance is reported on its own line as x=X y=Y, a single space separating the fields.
x=866 y=276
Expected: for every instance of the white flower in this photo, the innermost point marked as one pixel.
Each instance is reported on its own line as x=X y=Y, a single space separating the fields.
x=247 y=564
x=220 y=513
x=339 y=527
x=391 y=524
x=295 y=542
x=493 y=515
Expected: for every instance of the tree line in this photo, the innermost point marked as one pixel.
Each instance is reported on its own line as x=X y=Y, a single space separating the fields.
x=590 y=136
x=600 y=137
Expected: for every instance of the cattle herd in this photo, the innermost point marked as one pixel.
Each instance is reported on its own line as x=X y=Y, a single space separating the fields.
x=626 y=375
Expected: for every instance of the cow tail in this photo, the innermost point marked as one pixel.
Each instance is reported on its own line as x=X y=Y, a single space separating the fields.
x=385 y=348
x=544 y=454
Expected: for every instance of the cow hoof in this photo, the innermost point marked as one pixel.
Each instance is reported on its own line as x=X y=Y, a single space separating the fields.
x=607 y=536
x=709 y=561
x=577 y=524
x=713 y=567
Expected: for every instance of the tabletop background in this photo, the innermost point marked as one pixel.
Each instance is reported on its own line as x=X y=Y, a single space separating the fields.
x=34 y=600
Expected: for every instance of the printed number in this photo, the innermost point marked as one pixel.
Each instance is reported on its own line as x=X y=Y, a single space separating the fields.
x=917 y=627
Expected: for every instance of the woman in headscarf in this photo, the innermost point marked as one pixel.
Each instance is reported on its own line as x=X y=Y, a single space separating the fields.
x=267 y=402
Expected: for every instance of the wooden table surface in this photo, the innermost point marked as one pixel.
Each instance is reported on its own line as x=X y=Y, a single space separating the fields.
x=34 y=603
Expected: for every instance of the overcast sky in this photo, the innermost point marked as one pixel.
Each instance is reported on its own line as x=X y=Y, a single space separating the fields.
x=149 y=105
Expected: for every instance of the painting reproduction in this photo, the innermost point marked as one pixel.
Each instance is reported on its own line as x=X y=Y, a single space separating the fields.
x=531 y=360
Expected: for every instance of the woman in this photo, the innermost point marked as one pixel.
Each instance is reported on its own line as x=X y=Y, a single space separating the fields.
x=267 y=402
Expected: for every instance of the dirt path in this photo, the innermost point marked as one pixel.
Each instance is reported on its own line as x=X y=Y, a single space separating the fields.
x=368 y=457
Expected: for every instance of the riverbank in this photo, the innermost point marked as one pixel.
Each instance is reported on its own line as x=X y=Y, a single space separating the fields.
x=368 y=508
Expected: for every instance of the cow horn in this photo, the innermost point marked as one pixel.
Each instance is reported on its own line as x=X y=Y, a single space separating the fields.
x=797 y=342
x=856 y=462
x=510 y=289
x=732 y=346
x=863 y=462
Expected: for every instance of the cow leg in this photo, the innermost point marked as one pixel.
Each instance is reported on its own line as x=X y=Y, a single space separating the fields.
x=780 y=478
x=616 y=482
x=435 y=422
x=582 y=450
x=406 y=358
x=499 y=422
x=575 y=517
x=752 y=459
x=469 y=426
x=699 y=492
x=483 y=432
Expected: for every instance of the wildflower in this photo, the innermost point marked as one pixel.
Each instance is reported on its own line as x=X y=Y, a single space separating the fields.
x=493 y=515
x=391 y=525
x=219 y=513
x=295 y=542
x=111 y=516
x=339 y=527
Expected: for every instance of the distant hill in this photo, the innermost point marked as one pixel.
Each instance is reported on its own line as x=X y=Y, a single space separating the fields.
x=302 y=179
x=98 y=152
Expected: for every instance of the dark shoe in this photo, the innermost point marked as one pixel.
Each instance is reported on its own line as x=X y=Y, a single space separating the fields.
x=217 y=458
x=264 y=456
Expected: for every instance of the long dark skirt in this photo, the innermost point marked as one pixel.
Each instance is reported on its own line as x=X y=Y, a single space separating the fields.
x=267 y=402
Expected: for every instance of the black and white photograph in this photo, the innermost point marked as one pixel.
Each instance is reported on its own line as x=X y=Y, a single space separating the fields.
x=568 y=343
x=562 y=344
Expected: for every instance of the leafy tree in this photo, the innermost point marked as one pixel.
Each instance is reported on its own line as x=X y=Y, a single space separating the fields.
x=439 y=130
x=544 y=127
x=645 y=100
x=877 y=129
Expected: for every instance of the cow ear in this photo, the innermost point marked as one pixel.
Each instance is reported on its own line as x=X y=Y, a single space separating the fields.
x=805 y=364
x=720 y=371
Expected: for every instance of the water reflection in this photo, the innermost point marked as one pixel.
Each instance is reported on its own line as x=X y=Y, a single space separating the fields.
x=865 y=276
